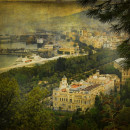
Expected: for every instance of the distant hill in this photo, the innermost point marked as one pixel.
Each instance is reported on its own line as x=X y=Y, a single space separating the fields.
x=77 y=19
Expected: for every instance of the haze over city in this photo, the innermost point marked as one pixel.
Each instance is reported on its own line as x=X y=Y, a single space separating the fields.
x=20 y=18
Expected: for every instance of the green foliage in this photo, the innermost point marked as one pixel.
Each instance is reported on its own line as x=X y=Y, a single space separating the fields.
x=115 y=12
x=123 y=119
x=9 y=98
x=51 y=72
x=109 y=112
x=125 y=93
x=60 y=64
x=33 y=114
x=28 y=110
x=109 y=10
x=109 y=69
x=23 y=112
x=125 y=53
x=98 y=104
x=84 y=46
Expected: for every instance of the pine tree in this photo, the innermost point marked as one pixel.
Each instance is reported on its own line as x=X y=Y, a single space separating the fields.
x=116 y=12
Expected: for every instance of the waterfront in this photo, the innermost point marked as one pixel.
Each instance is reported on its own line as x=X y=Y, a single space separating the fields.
x=7 y=60
x=17 y=45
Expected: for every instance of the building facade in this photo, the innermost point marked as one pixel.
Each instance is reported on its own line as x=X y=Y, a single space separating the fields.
x=82 y=94
x=71 y=51
x=125 y=73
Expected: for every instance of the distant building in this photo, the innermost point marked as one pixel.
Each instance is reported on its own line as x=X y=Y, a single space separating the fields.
x=40 y=40
x=82 y=94
x=83 y=33
x=106 y=45
x=49 y=47
x=71 y=51
x=67 y=50
x=5 y=39
x=108 y=80
x=125 y=74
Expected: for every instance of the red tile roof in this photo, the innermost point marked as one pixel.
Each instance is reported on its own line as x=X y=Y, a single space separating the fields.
x=75 y=85
x=63 y=90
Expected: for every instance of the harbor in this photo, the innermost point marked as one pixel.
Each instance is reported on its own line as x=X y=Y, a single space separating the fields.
x=30 y=62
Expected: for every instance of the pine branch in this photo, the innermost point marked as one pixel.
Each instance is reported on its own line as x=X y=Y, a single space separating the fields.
x=109 y=11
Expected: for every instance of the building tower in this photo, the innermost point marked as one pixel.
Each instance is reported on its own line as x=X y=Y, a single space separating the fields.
x=63 y=83
x=97 y=72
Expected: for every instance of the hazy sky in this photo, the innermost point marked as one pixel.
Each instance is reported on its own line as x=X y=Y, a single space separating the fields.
x=26 y=17
x=38 y=0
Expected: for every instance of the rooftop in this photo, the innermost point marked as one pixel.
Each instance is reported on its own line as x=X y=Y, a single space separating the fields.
x=63 y=90
x=120 y=61
x=89 y=88
x=75 y=85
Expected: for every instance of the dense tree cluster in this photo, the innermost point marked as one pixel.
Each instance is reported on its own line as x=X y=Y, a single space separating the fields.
x=23 y=103
x=75 y=68
x=111 y=112
x=29 y=111
x=26 y=111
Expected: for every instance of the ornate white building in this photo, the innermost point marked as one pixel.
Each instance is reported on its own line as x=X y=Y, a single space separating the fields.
x=82 y=94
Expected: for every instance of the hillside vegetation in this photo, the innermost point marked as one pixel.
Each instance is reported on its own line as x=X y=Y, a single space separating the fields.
x=23 y=90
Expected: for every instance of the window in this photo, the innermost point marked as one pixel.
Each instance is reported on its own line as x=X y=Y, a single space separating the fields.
x=71 y=100
x=69 y=107
x=77 y=107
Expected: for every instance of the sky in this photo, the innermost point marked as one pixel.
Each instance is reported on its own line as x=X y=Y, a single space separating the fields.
x=23 y=17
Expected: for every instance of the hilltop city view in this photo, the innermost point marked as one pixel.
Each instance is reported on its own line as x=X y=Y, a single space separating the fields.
x=60 y=69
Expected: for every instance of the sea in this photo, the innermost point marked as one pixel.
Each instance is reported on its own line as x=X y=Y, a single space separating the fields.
x=7 y=60
x=17 y=45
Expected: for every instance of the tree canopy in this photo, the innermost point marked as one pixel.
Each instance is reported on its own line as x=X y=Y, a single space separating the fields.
x=9 y=95
x=27 y=111
x=116 y=12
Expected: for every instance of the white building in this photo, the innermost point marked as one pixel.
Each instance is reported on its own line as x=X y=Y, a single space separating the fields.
x=82 y=94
